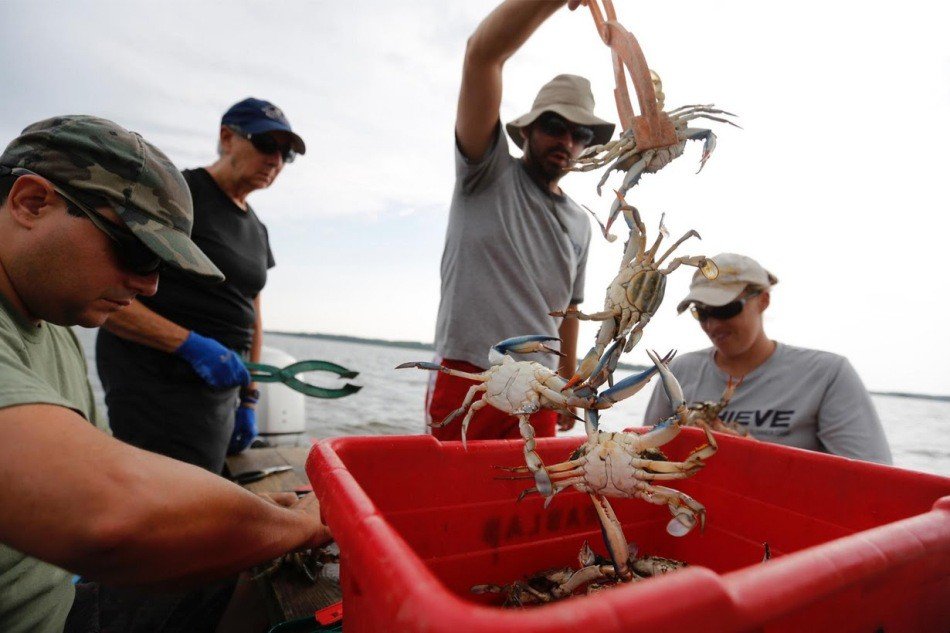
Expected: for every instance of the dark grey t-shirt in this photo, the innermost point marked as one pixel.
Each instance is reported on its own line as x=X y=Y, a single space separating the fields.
x=513 y=253
x=236 y=241
x=799 y=397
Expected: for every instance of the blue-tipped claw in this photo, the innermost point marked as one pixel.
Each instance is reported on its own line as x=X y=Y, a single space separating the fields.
x=420 y=365
x=526 y=344
x=670 y=384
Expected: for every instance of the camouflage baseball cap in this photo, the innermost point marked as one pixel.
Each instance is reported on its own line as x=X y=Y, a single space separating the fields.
x=99 y=158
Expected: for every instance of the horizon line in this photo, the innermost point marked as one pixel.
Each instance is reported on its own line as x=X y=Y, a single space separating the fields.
x=422 y=345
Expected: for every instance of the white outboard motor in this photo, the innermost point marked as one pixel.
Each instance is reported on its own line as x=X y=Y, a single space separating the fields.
x=281 y=412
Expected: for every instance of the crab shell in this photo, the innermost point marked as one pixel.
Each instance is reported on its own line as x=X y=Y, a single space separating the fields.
x=512 y=387
x=608 y=469
x=640 y=288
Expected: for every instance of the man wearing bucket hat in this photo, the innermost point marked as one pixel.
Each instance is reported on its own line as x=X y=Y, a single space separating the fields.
x=171 y=365
x=516 y=245
x=89 y=214
x=789 y=395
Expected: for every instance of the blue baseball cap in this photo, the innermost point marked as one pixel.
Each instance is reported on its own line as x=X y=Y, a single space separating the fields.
x=256 y=116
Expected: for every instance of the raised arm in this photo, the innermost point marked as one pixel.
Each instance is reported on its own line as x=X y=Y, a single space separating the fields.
x=567 y=364
x=496 y=39
x=77 y=498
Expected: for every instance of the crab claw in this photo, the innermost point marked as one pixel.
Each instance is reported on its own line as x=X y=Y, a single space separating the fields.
x=610 y=237
x=584 y=370
x=670 y=385
x=630 y=385
x=709 y=269
x=421 y=365
x=624 y=389
x=604 y=370
x=526 y=344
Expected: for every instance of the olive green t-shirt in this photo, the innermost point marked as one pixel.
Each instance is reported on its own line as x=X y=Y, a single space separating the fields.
x=38 y=365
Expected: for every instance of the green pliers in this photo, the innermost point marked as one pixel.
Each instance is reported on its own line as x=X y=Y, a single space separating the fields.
x=288 y=375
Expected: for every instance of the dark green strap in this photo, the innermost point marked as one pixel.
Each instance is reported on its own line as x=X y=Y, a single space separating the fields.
x=288 y=375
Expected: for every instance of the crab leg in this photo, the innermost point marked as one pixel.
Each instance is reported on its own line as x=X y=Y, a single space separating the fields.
x=686 y=510
x=444 y=370
x=629 y=181
x=613 y=536
x=709 y=143
x=577 y=314
x=468 y=400
x=531 y=457
x=669 y=251
x=468 y=418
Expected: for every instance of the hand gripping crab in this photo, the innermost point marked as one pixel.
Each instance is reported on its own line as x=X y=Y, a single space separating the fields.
x=653 y=139
x=524 y=387
x=635 y=293
x=626 y=464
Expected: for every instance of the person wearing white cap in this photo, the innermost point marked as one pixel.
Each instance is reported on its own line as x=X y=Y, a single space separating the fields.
x=789 y=395
x=516 y=245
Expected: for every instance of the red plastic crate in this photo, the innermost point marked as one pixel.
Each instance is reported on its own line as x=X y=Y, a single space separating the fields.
x=856 y=546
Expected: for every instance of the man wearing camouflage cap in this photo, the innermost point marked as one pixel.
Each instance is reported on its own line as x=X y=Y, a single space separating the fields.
x=171 y=365
x=89 y=213
x=788 y=395
x=516 y=245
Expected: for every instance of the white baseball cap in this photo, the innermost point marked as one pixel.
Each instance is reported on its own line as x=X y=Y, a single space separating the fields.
x=736 y=273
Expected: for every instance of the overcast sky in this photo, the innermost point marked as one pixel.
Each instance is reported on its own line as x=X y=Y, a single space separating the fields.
x=837 y=182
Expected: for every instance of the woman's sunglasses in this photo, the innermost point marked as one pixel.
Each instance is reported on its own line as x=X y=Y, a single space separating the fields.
x=556 y=127
x=703 y=312
x=266 y=144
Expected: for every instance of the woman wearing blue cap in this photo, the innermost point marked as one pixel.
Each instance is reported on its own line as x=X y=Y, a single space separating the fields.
x=172 y=364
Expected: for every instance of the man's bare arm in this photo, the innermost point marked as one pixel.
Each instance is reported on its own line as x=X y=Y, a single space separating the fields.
x=77 y=498
x=495 y=39
x=140 y=325
x=567 y=364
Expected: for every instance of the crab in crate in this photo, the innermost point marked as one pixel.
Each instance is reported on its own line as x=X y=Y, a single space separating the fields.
x=626 y=465
x=521 y=388
x=594 y=574
x=635 y=293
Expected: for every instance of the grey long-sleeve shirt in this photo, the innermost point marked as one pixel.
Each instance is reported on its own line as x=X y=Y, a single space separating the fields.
x=798 y=397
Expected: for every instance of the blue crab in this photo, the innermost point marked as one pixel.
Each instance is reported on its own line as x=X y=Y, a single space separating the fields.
x=626 y=465
x=635 y=293
x=521 y=388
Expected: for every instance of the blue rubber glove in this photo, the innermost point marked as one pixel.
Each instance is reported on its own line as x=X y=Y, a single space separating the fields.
x=216 y=364
x=245 y=430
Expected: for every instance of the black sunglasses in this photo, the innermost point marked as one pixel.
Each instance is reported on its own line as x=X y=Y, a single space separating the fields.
x=703 y=312
x=133 y=255
x=266 y=144
x=556 y=127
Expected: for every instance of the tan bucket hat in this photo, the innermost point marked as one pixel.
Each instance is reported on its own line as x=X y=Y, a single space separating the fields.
x=736 y=272
x=571 y=97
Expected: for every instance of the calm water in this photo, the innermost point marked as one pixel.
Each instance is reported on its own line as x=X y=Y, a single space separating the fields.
x=391 y=402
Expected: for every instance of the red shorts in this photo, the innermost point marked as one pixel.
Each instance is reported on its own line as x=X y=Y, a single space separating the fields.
x=447 y=394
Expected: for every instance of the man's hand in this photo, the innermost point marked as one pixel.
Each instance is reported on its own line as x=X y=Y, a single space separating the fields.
x=245 y=430
x=217 y=365
x=282 y=499
x=309 y=504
